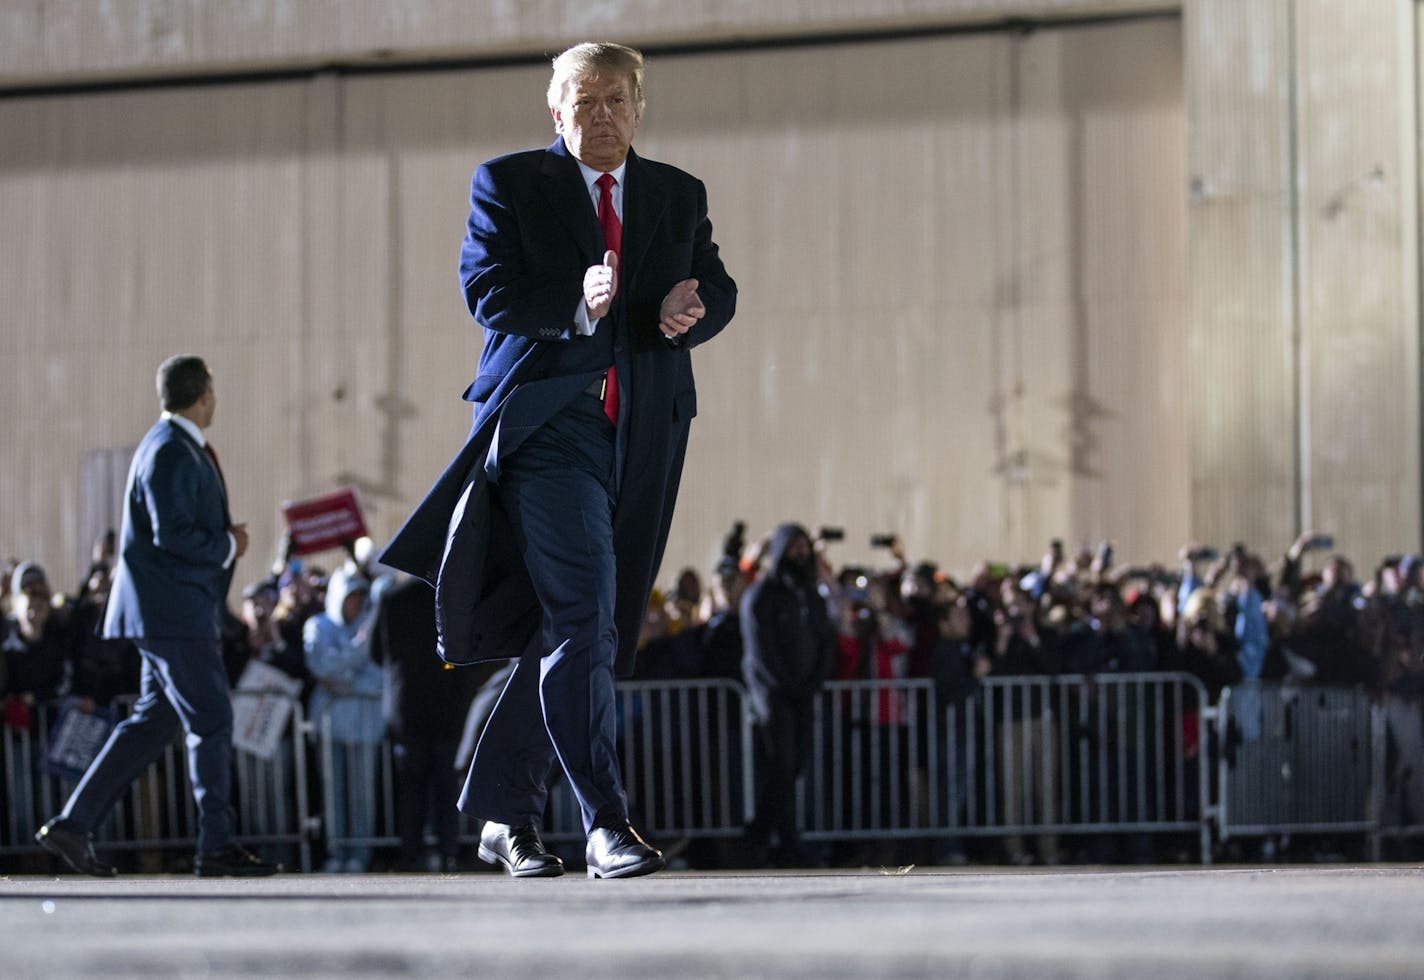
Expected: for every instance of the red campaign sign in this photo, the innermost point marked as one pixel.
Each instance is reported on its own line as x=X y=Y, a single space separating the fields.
x=328 y=521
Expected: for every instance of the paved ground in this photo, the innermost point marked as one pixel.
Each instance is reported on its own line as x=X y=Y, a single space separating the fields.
x=1287 y=922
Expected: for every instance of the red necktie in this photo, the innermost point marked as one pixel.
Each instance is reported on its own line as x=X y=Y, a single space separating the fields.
x=613 y=242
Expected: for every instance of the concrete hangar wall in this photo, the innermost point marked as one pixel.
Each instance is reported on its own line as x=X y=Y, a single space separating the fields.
x=1009 y=270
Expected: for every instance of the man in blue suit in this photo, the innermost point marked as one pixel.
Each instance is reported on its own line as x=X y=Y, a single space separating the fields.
x=593 y=273
x=176 y=554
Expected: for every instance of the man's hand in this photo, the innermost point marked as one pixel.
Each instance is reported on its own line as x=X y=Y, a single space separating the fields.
x=600 y=285
x=681 y=309
x=239 y=534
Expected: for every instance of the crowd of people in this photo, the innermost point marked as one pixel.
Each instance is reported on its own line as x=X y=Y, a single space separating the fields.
x=1222 y=616
x=776 y=614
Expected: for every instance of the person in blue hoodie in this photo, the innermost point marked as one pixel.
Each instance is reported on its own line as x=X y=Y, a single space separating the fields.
x=347 y=702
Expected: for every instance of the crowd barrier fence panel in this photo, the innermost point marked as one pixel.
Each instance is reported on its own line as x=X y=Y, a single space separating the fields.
x=269 y=799
x=1110 y=753
x=1072 y=754
x=357 y=790
x=1299 y=759
x=684 y=748
x=870 y=773
x=30 y=796
x=1402 y=814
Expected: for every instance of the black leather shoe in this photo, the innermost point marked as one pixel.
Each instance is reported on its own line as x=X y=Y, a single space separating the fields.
x=74 y=846
x=519 y=850
x=618 y=852
x=233 y=861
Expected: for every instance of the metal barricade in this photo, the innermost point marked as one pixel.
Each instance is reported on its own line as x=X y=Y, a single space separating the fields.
x=357 y=797
x=269 y=797
x=1299 y=760
x=1402 y=810
x=684 y=747
x=271 y=793
x=1075 y=754
x=871 y=773
x=29 y=795
x=1112 y=754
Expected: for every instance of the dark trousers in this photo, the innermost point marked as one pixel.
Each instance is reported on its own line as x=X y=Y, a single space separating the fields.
x=782 y=751
x=425 y=785
x=557 y=489
x=183 y=686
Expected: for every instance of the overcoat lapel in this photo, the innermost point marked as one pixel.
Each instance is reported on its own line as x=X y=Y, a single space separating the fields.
x=564 y=189
x=644 y=201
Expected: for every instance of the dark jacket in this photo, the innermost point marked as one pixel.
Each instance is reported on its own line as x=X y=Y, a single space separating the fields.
x=788 y=642
x=422 y=698
x=170 y=583
x=532 y=234
x=43 y=668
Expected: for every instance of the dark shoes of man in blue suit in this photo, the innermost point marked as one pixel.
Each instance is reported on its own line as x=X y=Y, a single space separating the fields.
x=519 y=850
x=177 y=548
x=616 y=851
x=613 y=851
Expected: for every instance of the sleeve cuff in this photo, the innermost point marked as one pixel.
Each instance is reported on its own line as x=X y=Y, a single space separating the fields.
x=583 y=326
x=231 y=550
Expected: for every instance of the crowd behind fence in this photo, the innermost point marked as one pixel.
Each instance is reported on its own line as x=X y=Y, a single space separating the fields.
x=1108 y=765
x=1071 y=710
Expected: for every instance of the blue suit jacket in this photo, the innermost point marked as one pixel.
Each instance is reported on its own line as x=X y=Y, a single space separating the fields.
x=532 y=233
x=170 y=583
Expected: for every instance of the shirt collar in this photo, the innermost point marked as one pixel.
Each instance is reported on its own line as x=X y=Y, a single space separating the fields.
x=188 y=426
x=590 y=175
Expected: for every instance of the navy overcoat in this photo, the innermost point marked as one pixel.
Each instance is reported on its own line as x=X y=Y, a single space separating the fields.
x=532 y=234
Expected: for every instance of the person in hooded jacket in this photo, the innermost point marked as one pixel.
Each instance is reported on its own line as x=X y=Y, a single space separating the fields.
x=788 y=651
x=347 y=697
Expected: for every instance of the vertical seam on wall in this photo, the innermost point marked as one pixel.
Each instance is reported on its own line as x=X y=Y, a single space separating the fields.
x=1415 y=148
x=1299 y=421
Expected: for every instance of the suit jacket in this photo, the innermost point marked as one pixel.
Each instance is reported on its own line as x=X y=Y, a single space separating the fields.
x=532 y=233
x=170 y=583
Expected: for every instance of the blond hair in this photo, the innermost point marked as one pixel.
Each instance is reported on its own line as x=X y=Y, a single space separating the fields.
x=1202 y=607
x=592 y=58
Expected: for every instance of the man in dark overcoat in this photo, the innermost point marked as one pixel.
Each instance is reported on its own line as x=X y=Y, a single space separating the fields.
x=593 y=273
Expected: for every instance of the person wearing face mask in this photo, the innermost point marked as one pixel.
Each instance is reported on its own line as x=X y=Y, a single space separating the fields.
x=788 y=652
